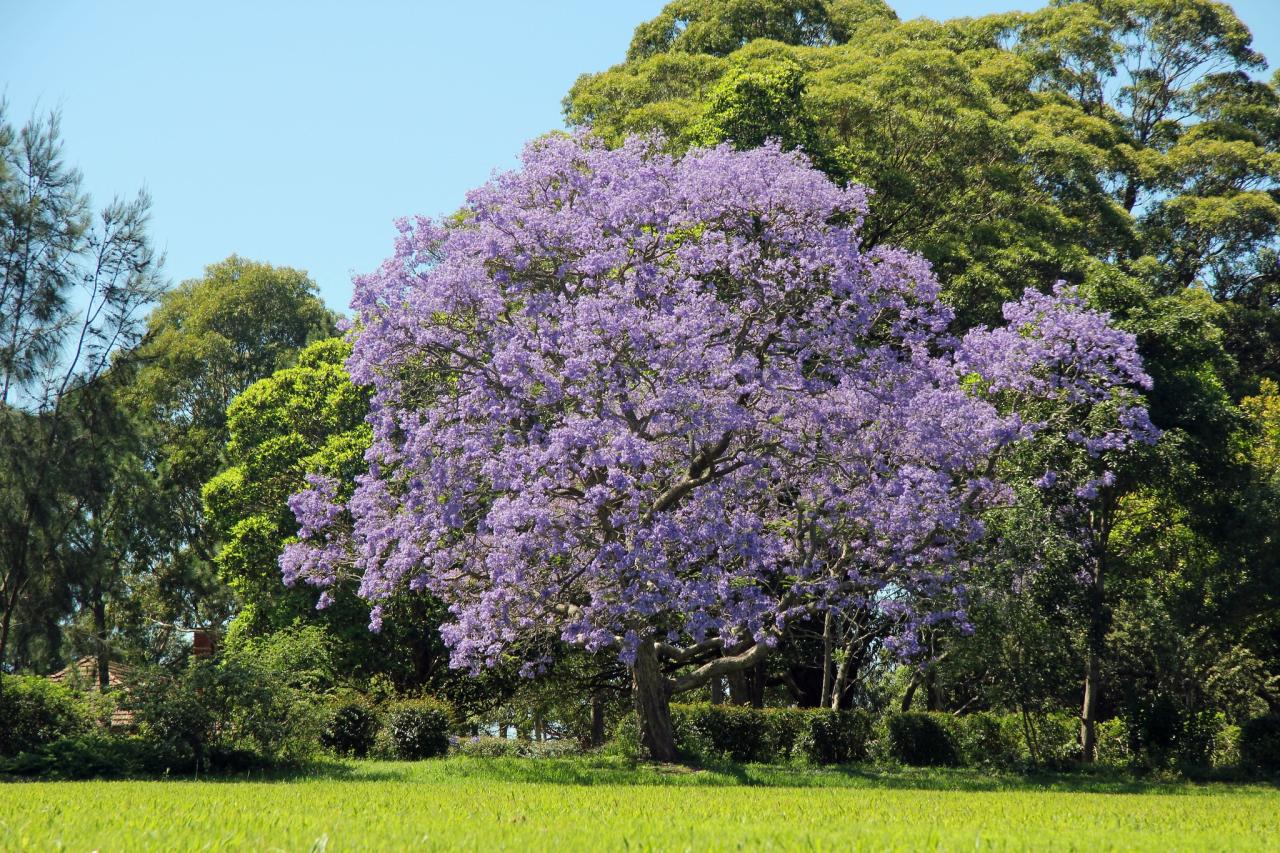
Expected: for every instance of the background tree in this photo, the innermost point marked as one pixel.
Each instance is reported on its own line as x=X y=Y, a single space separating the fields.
x=72 y=289
x=207 y=342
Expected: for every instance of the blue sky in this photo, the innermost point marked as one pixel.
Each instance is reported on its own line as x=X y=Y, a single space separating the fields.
x=295 y=133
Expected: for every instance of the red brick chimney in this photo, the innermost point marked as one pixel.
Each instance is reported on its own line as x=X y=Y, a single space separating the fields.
x=201 y=643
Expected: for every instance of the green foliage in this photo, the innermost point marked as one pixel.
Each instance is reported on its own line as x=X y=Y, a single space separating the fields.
x=98 y=755
x=770 y=735
x=36 y=711
x=351 y=729
x=991 y=740
x=500 y=747
x=734 y=732
x=228 y=706
x=419 y=728
x=300 y=656
x=208 y=341
x=1260 y=744
x=922 y=739
x=305 y=418
x=833 y=737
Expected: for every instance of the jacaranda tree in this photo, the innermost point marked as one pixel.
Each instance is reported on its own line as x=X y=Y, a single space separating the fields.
x=667 y=406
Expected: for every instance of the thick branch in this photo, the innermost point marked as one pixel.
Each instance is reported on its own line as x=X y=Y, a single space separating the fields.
x=717 y=668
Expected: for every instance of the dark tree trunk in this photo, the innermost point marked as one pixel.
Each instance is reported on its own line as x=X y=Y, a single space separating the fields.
x=828 y=649
x=5 y=622
x=717 y=691
x=756 y=677
x=597 y=719
x=1096 y=642
x=653 y=708
x=12 y=591
x=738 y=693
x=100 y=637
x=911 y=692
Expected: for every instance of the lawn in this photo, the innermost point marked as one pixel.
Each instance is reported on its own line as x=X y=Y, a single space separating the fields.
x=593 y=804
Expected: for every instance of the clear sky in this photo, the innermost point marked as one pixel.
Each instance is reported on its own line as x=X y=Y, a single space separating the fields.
x=296 y=132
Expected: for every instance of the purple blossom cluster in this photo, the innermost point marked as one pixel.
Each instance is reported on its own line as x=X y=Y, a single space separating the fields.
x=625 y=396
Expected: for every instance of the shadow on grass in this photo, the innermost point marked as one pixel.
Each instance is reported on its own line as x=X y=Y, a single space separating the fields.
x=596 y=770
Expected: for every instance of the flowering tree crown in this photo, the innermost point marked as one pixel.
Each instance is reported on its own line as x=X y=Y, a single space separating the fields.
x=626 y=397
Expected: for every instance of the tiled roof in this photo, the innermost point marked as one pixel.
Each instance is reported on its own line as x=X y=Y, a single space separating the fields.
x=85 y=672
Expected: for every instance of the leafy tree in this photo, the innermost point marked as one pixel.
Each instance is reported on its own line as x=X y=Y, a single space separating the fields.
x=668 y=407
x=207 y=342
x=308 y=417
x=1009 y=149
x=1128 y=145
x=72 y=288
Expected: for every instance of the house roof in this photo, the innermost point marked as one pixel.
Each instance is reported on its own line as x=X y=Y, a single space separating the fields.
x=84 y=674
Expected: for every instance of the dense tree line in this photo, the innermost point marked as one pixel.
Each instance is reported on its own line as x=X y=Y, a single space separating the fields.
x=153 y=438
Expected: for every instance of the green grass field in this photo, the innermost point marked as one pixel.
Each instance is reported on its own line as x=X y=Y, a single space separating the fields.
x=599 y=804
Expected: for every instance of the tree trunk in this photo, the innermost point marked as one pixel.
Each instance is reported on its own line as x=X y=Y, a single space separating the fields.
x=717 y=691
x=4 y=629
x=1095 y=641
x=12 y=590
x=828 y=647
x=653 y=708
x=911 y=691
x=100 y=637
x=841 y=683
x=597 y=719
x=738 y=694
x=756 y=677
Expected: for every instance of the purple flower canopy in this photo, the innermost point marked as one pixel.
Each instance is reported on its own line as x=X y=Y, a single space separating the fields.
x=627 y=397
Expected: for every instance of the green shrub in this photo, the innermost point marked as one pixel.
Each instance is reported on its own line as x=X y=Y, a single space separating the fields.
x=1260 y=744
x=419 y=728
x=770 y=735
x=624 y=742
x=1198 y=737
x=171 y=713
x=731 y=732
x=1114 y=742
x=833 y=737
x=350 y=729
x=985 y=739
x=1226 y=747
x=100 y=755
x=227 y=708
x=36 y=711
x=500 y=747
x=1055 y=738
x=923 y=739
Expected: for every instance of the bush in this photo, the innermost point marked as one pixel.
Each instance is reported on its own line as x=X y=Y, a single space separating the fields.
x=766 y=735
x=923 y=739
x=990 y=740
x=1260 y=744
x=1114 y=742
x=499 y=747
x=99 y=755
x=36 y=711
x=833 y=737
x=1226 y=747
x=625 y=739
x=350 y=729
x=226 y=708
x=730 y=732
x=419 y=728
